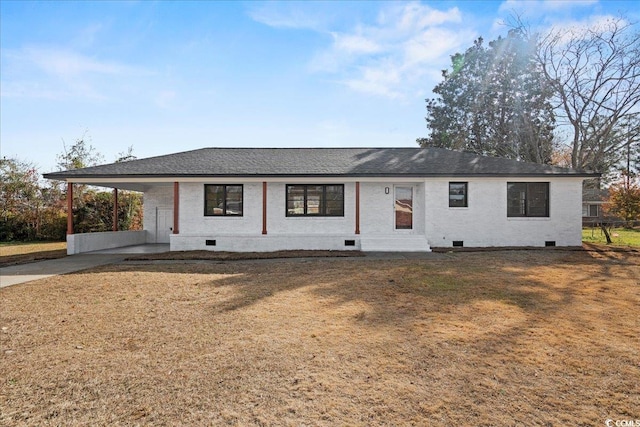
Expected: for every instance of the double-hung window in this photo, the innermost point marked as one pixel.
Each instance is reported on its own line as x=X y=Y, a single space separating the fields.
x=222 y=200
x=315 y=200
x=590 y=210
x=527 y=199
x=458 y=195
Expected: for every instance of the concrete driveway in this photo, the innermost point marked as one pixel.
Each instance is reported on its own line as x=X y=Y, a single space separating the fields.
x=16 y=274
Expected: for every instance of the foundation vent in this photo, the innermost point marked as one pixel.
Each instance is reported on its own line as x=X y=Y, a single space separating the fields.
x=458 y=243
x=210 y=242
x=349 y=242
x=550 y=243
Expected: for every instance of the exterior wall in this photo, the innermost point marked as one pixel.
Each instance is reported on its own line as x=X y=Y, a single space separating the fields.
x=485 y=223
x=87 y=242
x=155 y=197
x=193 y=222
x=377 y=217
x=280 y=224
x=244 y=233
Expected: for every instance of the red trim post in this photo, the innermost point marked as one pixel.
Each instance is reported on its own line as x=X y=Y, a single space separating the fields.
x=115 y=209
x=264 y=207
x=69 y=208
x=176 y=206
x=357 y=207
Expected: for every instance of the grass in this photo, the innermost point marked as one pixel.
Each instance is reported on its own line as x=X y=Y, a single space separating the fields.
x=619 y=236
x=485 y=338
x=12 y=253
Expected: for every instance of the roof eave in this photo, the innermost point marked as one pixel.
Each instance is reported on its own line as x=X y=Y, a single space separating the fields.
x=64 y=177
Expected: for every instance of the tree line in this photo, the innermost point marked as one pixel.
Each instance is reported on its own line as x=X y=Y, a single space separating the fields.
x=569 y=97
x=31 y=209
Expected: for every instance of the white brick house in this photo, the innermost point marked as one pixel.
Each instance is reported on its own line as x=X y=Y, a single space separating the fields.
x=373 y=199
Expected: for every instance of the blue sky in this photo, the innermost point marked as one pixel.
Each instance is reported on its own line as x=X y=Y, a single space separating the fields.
x=173 y=76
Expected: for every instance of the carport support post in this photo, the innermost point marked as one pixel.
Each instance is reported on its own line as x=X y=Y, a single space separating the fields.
x=176 y=206
x=264 y=207
x=69 y=208
x=357 y=207
x=115 y=209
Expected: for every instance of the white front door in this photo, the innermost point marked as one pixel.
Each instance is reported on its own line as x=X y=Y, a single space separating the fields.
x=164 y=224
x=403 y=208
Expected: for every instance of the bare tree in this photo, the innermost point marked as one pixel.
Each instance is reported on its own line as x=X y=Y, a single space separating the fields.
x=595 y=74
x=80 y=155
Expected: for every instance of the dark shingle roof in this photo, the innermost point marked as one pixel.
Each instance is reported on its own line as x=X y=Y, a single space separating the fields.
x=594 y=194
x=311 y=162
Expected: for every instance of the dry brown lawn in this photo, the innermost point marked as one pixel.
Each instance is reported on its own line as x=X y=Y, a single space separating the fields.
x=514 y=338
x=21 y=253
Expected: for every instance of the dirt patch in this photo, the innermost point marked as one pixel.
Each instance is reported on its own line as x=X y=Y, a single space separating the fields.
x=506 y=338
x=238 y=256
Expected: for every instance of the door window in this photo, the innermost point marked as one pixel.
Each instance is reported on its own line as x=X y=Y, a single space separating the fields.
x=404 y=208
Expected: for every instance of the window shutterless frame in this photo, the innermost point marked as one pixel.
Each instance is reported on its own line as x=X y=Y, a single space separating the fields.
x=458 y=195
x=310 y=200
x=527 y=199
x=223 y=199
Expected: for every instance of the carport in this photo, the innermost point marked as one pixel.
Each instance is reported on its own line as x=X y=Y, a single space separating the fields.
x=130 y=241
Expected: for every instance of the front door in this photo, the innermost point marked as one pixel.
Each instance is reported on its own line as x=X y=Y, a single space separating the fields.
x=164 y=224
x=403 y=208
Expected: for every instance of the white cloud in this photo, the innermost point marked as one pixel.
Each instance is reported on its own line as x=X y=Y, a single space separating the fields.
x=388 y=54
x=165 y=98
x=547 y=15
x=285 y=15
x=391 y=56
x=540 y=7
x=430 y=45
x=570 y=29
x=53 y=73
x=381 y=79
x=355 y=44
x=30 y=89
x=69 y=64
x=412 y=17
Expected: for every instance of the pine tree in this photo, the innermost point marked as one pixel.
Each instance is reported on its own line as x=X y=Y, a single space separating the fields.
x=494 y=101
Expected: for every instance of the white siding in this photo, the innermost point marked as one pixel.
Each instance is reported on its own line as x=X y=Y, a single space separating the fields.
x=483 y=223
x=280 y=224
x=193 y=222
x=245 y=233
x=377 y=217
x=160 y=196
